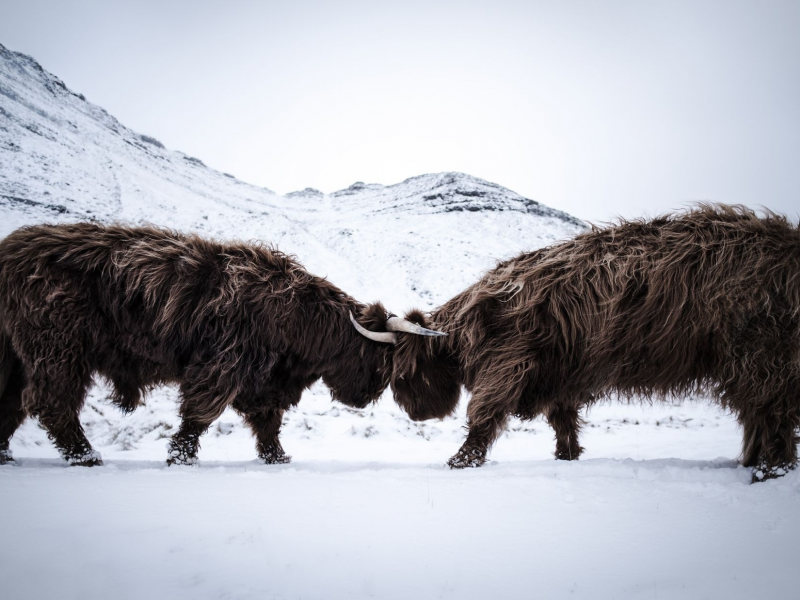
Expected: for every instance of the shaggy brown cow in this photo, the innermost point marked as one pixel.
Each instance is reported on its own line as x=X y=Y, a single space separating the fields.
x=704 y=301
x=238 y=325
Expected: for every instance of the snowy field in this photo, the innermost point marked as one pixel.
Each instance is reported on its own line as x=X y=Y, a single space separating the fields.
x=657 y=508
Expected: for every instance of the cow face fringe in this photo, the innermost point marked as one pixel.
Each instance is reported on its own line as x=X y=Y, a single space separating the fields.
x=425 y=379
x=359 y=374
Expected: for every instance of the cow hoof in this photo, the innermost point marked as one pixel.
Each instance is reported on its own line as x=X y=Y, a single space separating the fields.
x=178 y=454
x=568 y=453
x=763 y=472
x=565 y=457
x=467 y=459
x=187 y=461
x=275 y=458
x=91 y=458
x=5 y=457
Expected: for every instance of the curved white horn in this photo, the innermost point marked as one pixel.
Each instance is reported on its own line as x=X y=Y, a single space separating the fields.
x=400 y=324
x=385 y=337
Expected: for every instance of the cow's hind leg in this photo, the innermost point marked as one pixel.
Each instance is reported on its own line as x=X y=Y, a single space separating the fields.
x=761 y=386
x=770 y=424
x=770 y=435
x=770 y=446
x=55 y=349
x=11 y=412
x=566 y=422
x=56 y=399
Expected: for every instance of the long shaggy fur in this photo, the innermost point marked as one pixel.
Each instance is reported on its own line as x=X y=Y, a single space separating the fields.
x=703 y=301
x=240 y=325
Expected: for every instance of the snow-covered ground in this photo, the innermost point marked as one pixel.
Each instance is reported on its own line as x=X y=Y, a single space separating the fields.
x=656 y=508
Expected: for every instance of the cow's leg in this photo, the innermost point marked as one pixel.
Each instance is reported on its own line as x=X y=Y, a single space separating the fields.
x=762 y=386
x=752 y=440
x=184 y=445
x=480 y=437
x=264 y=414
x=770 y=439
x=57 y=377
x=266 y=426
x=201 y=405
x=56 y=351
x=767 y=405
x=566 y=422
x=770 y=446
x=11 y=412
x=487 y=413
x=55 y=396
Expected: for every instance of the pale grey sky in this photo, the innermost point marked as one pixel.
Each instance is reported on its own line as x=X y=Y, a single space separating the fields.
x=597 y=108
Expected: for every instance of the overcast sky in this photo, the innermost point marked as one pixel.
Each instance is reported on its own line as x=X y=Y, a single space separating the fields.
x=596 y=108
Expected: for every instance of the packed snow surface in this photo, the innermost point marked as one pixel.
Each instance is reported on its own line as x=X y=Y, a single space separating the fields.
x=658 y=506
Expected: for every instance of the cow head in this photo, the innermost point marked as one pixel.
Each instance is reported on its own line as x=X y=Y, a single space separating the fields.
x=360 y=364
x=425 y=374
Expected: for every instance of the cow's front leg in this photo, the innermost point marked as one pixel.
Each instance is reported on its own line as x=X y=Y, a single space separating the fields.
x=266 y=426
x=486 y=417
x=264 y=414
x=474 y=450
x=200 y=406
x=565 y=421
x=183 y=446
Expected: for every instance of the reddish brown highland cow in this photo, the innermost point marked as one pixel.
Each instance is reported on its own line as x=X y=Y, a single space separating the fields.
x=702 y=302
x=238 y=325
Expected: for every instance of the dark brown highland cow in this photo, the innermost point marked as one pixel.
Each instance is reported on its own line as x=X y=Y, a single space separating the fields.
x=238 y=325
x=706 y=301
